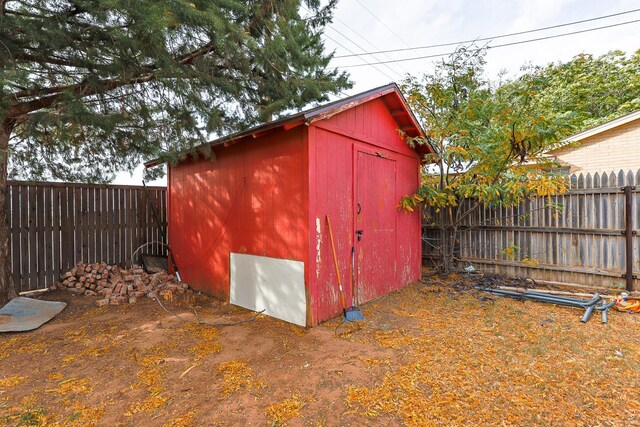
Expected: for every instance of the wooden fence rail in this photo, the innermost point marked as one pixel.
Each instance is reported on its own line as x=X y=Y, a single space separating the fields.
x=55 y=225
x=586 y=236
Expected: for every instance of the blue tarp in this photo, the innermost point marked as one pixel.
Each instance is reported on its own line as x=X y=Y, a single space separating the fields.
x=25 y=314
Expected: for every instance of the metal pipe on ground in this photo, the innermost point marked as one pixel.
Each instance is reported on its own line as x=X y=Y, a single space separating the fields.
x=587 y=313
x=589 y=306
x=552 y=292
x=605 y=308
x=596 y=297
x=545 y=298
x=565 y=302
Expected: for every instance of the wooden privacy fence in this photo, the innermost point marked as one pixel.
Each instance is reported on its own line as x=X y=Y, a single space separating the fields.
x=587 y=236
x=55 y=225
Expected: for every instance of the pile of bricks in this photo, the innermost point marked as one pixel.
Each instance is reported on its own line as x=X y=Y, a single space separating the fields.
x=117 y=285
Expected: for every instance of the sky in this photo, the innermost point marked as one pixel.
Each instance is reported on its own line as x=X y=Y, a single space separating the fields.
x=374 y=25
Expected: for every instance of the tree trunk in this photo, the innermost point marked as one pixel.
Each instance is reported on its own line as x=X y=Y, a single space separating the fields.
x=449 y=240
x=450 y=249
x=7 y=290
x=447 y=265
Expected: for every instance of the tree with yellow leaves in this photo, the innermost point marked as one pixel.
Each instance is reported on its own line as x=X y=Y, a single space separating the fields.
x=488 y=140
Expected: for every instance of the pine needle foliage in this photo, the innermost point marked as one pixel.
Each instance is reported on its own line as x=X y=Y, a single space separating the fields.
x=90 y=87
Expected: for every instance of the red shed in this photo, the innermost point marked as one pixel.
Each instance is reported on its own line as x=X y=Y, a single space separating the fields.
x=248 y=225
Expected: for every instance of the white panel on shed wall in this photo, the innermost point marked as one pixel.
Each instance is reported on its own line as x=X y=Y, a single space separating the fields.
x=271 y=284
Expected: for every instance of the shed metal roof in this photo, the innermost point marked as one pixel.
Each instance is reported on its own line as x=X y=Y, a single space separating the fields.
x=390 y=93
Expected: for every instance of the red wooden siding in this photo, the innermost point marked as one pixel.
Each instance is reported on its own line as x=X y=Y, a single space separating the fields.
x=409 y=230
x=376 y=262
x=371 y=123
x=250 y=199
x=269 y=195
x=389 y=255
x=333 y=193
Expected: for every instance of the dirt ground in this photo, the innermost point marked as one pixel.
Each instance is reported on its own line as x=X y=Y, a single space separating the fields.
x=429 y=354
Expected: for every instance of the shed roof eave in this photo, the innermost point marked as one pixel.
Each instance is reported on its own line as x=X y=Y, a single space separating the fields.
x=312 y=115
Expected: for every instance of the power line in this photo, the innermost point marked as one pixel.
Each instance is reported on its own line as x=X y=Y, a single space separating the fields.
x=404 y=70
x=349 y=50
x=494 y=47
x=361 y=48
x=382 y=22
x=365 y=62
x=490 y=38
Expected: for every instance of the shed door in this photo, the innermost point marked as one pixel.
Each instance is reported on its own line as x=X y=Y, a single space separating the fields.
x=375 y=226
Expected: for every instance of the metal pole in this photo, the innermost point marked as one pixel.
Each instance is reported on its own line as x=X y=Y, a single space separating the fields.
x=162 y=230
x=628 y=233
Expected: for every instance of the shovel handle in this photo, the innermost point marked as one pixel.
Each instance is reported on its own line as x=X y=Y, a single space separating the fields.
x=353 y=276
x=335 y=263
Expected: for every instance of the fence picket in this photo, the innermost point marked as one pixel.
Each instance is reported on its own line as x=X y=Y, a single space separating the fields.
x=16 y=232
x=91 y=225
x=56 y=248
x=48 y=234
x=55 y=225
x=111 y=233
x=576 y=236
x=33 y=230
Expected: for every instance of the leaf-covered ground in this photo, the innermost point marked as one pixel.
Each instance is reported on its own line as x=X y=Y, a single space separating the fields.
x=430 y=354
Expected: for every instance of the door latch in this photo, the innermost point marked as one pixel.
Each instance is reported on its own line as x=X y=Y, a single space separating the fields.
x=359 y=234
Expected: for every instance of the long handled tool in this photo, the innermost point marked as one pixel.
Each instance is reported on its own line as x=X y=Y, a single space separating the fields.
x=353 y=276
x=351 y=314
x=353 y=285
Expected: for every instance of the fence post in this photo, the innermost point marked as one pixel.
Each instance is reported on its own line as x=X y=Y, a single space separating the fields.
x=628 y=234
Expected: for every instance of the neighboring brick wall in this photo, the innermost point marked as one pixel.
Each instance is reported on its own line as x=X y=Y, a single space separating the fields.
x=615 y=149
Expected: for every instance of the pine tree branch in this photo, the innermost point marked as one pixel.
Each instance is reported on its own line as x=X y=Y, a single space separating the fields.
x=75 y=10
x=80 y=89
x=38 y=59
x=85 y=90
x=45 y=91
x=52 y=95
x=188 y=58
x=22 y=14
x=28 y=5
